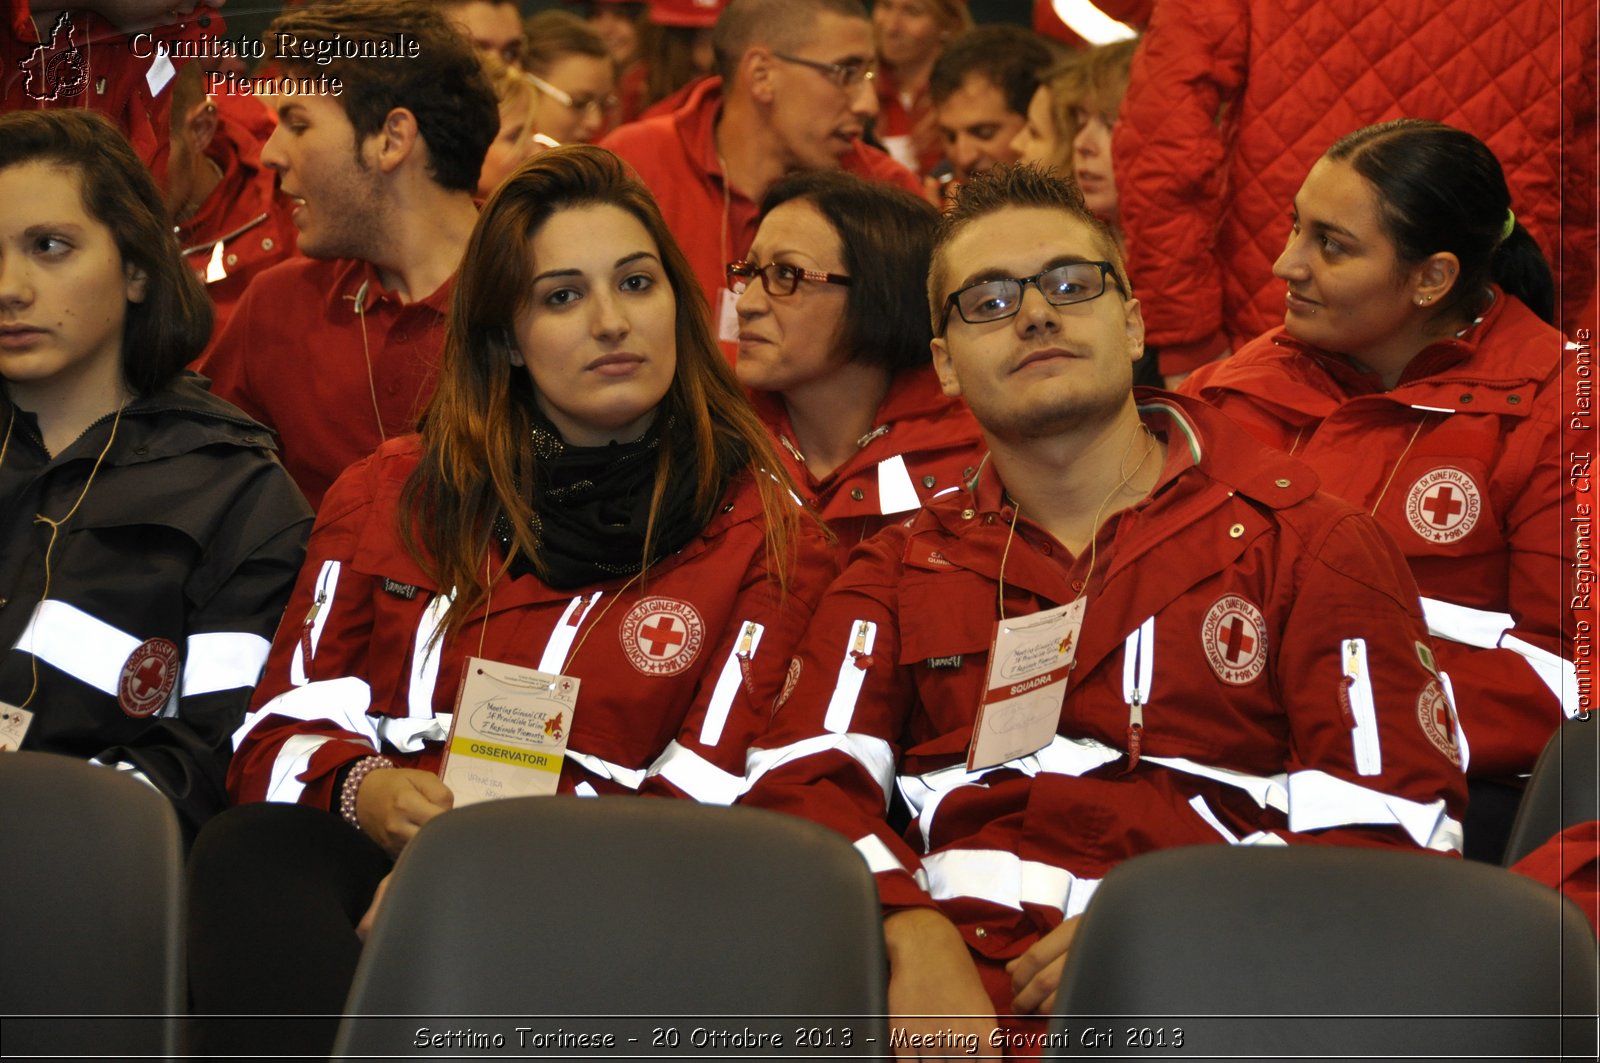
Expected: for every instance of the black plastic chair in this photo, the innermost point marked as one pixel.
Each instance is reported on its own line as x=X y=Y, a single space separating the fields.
x=1564 y=789
x=91 y=953
x=687 y=928
x=1324 y=952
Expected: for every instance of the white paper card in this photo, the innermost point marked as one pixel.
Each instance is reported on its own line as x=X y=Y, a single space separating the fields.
x=1028 y=668
x=727 y=316
x=14 y=723
x=509 y=735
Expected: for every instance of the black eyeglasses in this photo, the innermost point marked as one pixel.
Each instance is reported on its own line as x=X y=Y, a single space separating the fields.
x=846 y=75
x=995 y=300
x=778 y=278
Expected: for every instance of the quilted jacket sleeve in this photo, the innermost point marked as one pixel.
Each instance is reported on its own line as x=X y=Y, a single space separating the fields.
x=1168 y=148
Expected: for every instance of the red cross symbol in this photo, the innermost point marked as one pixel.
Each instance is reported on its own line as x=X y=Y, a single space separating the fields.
x=1441 y=505
x=151 y=674
x=1238 y=642
x=664 y=633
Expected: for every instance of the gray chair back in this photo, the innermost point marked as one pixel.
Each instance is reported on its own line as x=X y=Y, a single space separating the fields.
x=535 y=912
x=1564 y=789
x=1323 y=952
x=92 y=876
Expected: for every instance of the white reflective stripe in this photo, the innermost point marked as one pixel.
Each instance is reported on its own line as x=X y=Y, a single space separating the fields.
x=1004 y=878
x=1458 y=623
x=1358 y=687
x=161 y=71
x=1455 y=718
x=1078 y=898
x=341 y=702
x=585 y=789
x=947 y=490
x=1432 y=409
x=126 y=768
x=879 y=857
x=930 y=808
x=1092 y=24
x=561 y=639
x=85 y=647
x=321 y=605
x=216 y=267
x=1560 y=675
x=697 y=776
x=1203 y=810
x=632 y=778
x=873 y=754
x=425 y=655
x=896 y=492
x=408 y=735
x=847 y=688
x=1262 y=837
x=1318 y=801
x=728 y=682
x=1267 y=790
x=223 y=660
x=294 y=756
x=1063 y=756
x=1139 y=663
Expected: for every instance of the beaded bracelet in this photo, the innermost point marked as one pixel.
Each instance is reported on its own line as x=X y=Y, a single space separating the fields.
x=352 y=783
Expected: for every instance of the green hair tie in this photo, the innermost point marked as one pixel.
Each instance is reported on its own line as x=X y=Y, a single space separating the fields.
x=1511 y=223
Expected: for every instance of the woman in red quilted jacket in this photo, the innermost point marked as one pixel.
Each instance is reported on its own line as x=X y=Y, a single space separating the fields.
x=1417 y=371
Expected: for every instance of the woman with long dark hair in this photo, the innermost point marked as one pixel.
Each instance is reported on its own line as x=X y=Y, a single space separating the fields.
x=1417 y=370
x=591 y=507
x=148 y=537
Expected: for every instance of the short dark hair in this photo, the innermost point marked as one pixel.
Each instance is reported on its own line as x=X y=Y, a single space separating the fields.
x=886 y=234
x=784 y=25
x=1441 y=189
x=443 y=85
x=553 y=34
x=172 y=325
x=1009 y=57
x=1013 y=185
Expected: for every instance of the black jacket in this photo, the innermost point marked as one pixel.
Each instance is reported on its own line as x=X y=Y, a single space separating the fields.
x=165 y=586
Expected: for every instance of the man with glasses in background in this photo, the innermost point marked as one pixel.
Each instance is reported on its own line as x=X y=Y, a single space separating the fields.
x=793 y=92
x=1132 y=629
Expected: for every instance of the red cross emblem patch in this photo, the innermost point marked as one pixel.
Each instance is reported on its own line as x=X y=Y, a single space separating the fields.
x=662 y=636
x=1438 y=722
x=147 y=679
x=1234 y=635
x=1443 y=505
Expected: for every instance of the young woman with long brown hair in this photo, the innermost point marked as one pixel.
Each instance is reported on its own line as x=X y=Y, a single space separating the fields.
x=591 y=499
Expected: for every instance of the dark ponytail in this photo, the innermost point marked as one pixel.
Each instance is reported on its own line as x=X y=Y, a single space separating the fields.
x=1442 y=189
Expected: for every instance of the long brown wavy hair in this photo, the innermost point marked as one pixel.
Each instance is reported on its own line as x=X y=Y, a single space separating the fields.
x=478 y=459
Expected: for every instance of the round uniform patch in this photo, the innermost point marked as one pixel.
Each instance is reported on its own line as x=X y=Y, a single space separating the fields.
x=1433 y=713
x=1443 y=505
x=1234 y=635
x=662 y=636
x=148 y=676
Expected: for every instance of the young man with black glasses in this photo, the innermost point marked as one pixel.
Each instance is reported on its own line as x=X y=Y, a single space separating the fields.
x=793 y=92
x=1132 y=629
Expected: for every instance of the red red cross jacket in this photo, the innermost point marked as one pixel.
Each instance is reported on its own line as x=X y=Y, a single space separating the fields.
x=1462 y=464
x=79 y=59
x=922 y=442
x=664 y=704
x=1231 y=102
x=1268 y=635
x=245 y=225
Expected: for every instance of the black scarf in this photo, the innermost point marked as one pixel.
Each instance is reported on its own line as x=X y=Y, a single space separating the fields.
x=591 y=504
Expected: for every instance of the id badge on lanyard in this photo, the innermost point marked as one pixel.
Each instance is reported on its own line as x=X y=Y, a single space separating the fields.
x=509 y=734
x=1028 y=667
